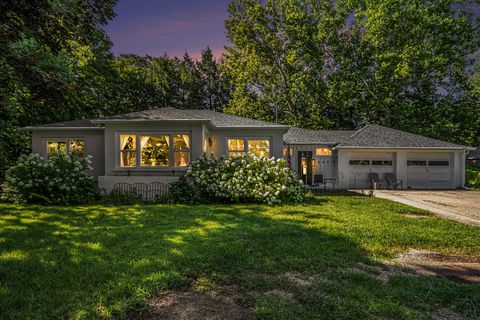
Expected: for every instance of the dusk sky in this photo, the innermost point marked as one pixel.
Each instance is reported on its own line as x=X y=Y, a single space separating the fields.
x=154 y=27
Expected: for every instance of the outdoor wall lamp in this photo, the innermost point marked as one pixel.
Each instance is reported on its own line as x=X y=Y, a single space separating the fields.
x=210 y=142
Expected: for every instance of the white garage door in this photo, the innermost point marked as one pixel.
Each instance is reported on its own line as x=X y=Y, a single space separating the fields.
x=429 y=171
x=361 y=164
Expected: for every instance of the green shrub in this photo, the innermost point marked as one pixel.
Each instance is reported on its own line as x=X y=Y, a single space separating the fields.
x=240 y=178
x=473 y=176
x=59 y=180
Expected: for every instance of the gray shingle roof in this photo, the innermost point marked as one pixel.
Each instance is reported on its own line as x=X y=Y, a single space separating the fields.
x=475 y=154
x=220 y=120
x=306 y=136
x=376 y=136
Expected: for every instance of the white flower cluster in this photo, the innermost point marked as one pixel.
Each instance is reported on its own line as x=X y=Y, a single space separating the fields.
x=246 y=178
x=60 y=179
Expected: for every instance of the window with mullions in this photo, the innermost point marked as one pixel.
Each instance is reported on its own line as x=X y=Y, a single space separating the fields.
x=254 y=146
x=155 y=150
x=63 y=146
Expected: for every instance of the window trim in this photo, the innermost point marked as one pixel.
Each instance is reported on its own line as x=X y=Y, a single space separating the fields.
x=67 y=143
x=138 y=135
x=245 y=143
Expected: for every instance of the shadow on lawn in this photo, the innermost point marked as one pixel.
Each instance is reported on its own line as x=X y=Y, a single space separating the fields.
x=84 y=262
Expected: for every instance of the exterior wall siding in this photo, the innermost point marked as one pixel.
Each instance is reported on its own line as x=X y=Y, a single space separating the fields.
x=94 y=144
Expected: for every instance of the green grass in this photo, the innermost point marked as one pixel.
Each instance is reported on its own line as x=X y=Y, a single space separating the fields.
x=104 y=261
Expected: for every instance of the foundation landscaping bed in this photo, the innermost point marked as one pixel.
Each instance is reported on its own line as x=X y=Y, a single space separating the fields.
x=337 y=255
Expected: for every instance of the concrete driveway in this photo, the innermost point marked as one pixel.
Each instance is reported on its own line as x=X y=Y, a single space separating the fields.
x=459 y=205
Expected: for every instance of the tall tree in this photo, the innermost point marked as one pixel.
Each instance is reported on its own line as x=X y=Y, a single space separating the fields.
x=340 y=64
x=215 y=88
x=50 y=50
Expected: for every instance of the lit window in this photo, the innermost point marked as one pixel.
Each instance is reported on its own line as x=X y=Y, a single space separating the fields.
x=128 y=150
x=323 y=152
x=236 y=146
x=64 y=146
x=155 y=151
x=181 y=150
x=77 y=147
x=359 y=162
x=56 y=147
x=285 y=151
x=259 y=148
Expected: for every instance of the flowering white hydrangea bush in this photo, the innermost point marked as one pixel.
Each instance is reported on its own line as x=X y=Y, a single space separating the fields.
x=243 y=178
x=59 y=180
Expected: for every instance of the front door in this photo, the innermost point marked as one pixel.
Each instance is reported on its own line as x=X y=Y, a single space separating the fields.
x=305 y=166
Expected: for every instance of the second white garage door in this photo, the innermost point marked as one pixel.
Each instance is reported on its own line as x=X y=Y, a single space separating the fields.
x=429 y=170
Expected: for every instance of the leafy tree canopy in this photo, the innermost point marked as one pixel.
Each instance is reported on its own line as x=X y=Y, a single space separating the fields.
x=341 y=64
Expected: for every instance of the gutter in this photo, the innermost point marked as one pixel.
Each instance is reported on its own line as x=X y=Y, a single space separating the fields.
x=30 y=128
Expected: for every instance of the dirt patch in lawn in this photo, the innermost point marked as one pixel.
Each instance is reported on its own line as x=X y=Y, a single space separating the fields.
x=464 y=269
x=194 y=305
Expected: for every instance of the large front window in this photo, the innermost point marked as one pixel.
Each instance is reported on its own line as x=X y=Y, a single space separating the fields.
x=254 y=146
x=155 y=150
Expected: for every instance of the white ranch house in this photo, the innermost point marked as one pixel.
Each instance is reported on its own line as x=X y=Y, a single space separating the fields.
x=157 y=145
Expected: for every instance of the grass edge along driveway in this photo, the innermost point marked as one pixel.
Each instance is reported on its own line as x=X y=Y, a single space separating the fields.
x=104 y=261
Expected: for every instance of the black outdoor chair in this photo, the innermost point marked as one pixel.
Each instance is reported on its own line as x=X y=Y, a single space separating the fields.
x=375 y=180
x=318 y=181
x=392 y=182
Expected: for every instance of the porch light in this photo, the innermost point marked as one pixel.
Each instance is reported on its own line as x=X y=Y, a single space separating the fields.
x=210 y=142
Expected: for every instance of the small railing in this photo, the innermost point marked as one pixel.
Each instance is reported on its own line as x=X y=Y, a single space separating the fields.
x=143 y=191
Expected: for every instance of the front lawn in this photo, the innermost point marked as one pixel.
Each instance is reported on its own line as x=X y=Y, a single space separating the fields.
x=107 y=261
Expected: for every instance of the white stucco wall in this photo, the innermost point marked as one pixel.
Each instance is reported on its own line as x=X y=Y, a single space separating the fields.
x=94 y=144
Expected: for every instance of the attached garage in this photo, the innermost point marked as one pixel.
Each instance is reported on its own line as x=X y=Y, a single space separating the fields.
x=430 y=170
x=419 y=162
x=361 y=164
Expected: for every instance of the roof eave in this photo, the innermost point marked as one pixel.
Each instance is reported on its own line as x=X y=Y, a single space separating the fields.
x=406 y=148
x=148 y=120
x=311 y=143
x=33 y=128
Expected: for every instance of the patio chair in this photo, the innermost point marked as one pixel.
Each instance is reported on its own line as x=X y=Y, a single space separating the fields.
x=375 y=180
x=318 y=181
x=392 y=182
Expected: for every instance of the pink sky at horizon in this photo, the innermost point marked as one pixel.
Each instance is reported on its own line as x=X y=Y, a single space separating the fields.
x=147 y=27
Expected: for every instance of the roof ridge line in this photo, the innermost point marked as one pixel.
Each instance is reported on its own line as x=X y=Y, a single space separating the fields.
x=359 y=130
